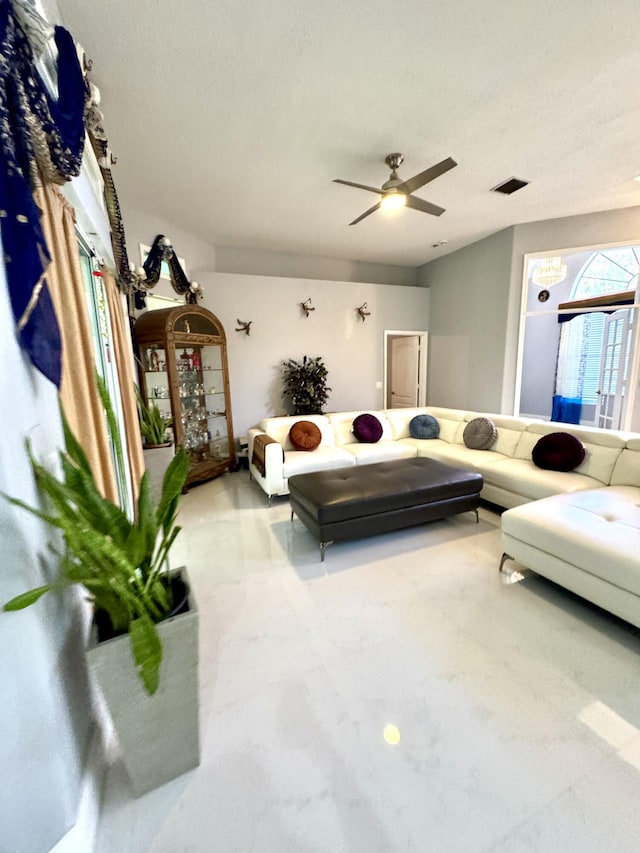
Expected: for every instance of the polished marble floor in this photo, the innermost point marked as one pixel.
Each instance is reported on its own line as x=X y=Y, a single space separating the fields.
x=400 y=696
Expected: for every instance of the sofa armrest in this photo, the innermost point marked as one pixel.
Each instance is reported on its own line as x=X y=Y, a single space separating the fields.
x=273 y=480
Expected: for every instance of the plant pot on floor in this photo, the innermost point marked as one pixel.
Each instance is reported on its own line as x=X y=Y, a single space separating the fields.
x=157 y=458
x=159 y=733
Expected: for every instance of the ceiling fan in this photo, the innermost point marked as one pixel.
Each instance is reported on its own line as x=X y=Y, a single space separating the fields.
x=397 y=193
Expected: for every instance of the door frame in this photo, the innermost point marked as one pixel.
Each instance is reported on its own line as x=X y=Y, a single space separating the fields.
x=634 y=364
x=422 y=364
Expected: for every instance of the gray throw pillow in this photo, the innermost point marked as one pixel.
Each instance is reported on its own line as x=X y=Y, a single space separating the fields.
x=480 y=434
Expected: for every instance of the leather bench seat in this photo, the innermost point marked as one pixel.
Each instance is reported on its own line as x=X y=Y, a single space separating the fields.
x=364 y=500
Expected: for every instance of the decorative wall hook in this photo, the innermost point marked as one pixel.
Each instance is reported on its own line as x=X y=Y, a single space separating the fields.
x=244 y=327
x=307 y=307
x=362 y=311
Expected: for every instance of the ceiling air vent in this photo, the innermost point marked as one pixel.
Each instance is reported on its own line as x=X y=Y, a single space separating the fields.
x=510 y=186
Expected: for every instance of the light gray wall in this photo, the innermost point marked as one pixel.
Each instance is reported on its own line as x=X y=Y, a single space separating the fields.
x=571 y=232
x=44 y=716
x=468 y=314
x=476 y=296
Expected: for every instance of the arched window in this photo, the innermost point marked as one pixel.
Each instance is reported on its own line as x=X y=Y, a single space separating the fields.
x=607 y=271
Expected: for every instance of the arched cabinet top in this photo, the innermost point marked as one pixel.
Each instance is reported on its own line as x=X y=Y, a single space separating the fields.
x=181 y=321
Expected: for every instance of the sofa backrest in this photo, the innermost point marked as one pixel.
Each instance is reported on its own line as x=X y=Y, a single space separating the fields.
x=509 y=428
x=627 y=467
x=278 y=428
x=603 y=446
x=452 y=423
x=342 y=423
x=401 y=418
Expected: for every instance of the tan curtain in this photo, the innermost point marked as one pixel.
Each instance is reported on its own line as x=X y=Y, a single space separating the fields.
x=78 y=393
x=123 y=351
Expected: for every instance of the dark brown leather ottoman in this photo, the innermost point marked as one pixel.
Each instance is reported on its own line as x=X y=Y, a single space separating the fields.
x=347 y=503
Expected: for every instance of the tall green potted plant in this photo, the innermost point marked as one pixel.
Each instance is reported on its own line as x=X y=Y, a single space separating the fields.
x=305 y=384
x=157 y=449
x=145 y=621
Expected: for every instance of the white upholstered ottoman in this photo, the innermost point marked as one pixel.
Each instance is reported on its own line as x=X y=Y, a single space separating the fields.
x=586 y=541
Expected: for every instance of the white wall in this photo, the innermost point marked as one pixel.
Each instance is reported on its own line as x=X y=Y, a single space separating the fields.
x=267 y=287
x=142 y=227
x=352 y=350
x=44 y=712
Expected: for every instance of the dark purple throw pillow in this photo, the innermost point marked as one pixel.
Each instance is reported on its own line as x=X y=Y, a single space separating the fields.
x=558 y=451
x=367 y=429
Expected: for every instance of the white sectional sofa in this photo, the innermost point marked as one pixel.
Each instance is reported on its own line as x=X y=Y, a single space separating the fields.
x=510 y=477
x=579 y=528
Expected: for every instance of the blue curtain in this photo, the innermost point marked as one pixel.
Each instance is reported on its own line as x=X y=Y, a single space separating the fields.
x=566 y=410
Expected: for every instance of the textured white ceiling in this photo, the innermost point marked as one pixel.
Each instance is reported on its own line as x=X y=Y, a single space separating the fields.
x=232 y=118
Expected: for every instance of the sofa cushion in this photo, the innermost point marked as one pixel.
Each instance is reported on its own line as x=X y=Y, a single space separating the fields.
x=424 y=426
x=381 y=451
x=305 y=435
x=603 y=447
x=399 y=420
x=456 y=454
x=558 y=451
x=521 y=477
x=510 y=430
x=279 y=427
x=322 y=459
x=342 y=425
x=480 y=433
x=596 y=530
x=367 y=428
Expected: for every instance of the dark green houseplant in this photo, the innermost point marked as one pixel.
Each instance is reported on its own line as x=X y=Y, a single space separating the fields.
x=153 y=426
x=121 y=563
x=305 y=384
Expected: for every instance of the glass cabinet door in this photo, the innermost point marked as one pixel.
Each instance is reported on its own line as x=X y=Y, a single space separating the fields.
x=202 y=400
x=156 y=383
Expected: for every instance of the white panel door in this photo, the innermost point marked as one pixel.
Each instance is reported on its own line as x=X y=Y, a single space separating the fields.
x=405 y=358
x=614 y=368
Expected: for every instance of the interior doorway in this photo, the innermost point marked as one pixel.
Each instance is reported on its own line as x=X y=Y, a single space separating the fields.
x=579 y=357
x=404 y=368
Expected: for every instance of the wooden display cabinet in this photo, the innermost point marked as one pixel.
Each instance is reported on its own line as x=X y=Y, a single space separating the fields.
x=183 y=369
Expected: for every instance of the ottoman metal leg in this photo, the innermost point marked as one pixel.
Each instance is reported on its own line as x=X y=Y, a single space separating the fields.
x=477 y=516
x=323 y=548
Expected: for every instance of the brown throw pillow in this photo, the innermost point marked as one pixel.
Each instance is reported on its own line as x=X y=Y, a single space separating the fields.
x=305 y=435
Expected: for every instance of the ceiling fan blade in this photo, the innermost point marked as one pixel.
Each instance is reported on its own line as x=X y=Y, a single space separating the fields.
x=417 y=181
x=424 y=206
x=366 y=213
x=358 y=186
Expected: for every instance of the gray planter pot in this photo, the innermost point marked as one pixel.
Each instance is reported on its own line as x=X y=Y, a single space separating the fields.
x=156 y=460
x=159 y=734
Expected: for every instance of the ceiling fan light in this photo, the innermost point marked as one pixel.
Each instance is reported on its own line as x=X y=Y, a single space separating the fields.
x=393 y=200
